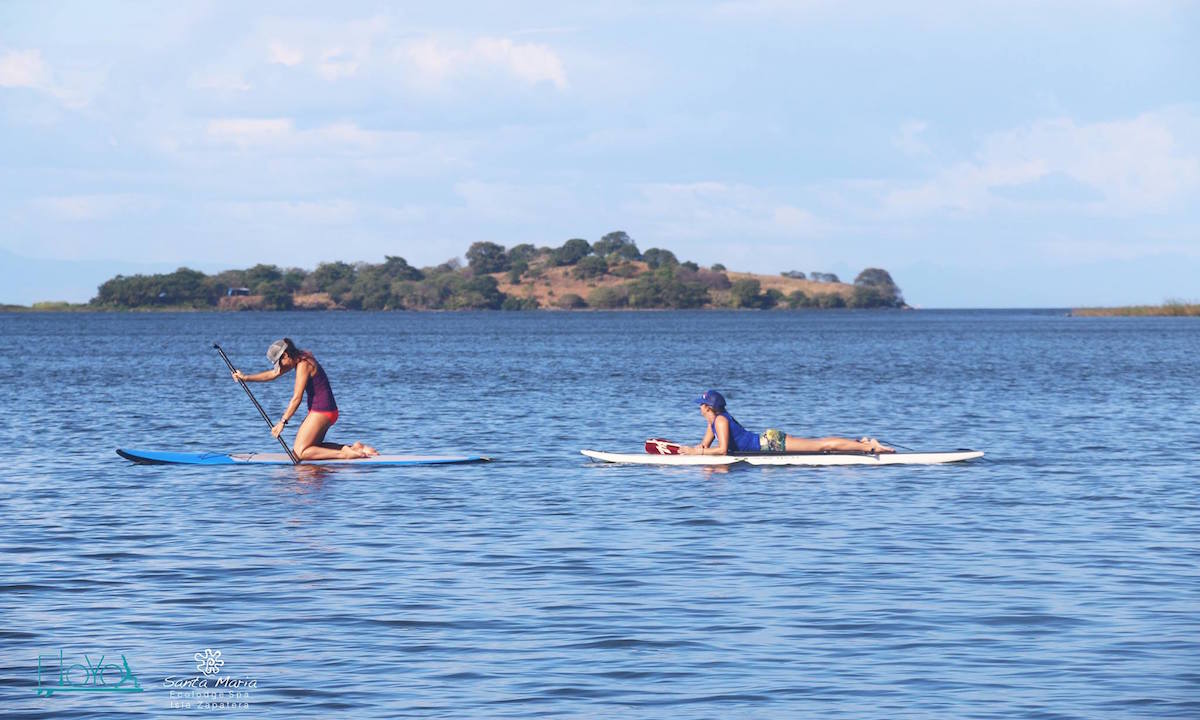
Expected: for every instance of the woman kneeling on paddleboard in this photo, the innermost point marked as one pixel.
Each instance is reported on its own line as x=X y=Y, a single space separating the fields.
x=731 y=438
x=322 y=408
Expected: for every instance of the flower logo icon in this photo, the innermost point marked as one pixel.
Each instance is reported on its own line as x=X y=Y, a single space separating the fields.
x=209 y=662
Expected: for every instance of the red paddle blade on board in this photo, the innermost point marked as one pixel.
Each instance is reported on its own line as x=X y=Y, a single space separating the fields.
x=658 y=446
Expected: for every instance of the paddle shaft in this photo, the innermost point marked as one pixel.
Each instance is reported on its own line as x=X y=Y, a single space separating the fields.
x=295 y=460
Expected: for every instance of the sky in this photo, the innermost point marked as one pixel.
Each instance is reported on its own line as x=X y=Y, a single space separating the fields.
x=987 y=154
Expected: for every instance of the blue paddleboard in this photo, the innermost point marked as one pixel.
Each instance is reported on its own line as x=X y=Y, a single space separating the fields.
x=155 y=457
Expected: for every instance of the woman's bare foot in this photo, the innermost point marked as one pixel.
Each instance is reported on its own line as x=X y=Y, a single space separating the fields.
x=367 y=449
x=874 y=446
x=352 y=453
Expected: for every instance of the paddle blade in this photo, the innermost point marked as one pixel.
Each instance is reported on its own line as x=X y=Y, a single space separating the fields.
x=658 y=446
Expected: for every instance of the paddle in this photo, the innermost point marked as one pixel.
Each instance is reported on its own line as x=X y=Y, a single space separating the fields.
x=262 y=412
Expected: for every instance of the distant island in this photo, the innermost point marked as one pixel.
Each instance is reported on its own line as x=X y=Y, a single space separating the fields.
x=611 y=273
x=1169 y=308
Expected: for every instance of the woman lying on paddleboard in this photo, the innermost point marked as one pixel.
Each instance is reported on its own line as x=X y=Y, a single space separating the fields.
x=731 y=437
x=322 y=408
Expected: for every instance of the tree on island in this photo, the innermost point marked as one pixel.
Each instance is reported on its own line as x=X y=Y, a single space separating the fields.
x=571 y=252
x=874 y=288
x=617 y=243
x=485 y=258
x=522 y=253
x=657 y=257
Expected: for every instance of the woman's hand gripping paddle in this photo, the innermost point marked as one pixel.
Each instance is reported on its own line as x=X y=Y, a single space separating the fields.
x=262 y=412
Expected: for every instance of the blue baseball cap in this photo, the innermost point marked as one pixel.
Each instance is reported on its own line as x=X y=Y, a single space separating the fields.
x=713 y=399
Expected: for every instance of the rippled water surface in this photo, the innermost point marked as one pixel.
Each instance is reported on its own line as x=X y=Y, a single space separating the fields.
x=1056 y=578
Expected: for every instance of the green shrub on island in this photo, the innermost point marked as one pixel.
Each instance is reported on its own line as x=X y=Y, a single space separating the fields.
x=512 y=302
x=797 y=299
x=666 y=288
x=745 y=293
x=613 y=297
x=518 y=268
x=589 y=267
x=571 y=301
x=625 y=270
x=748 y=293
x=830 y=301
x=276 y=296
x=448 y=291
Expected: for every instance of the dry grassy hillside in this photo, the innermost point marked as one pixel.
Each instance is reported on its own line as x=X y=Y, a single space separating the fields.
x=556 y=283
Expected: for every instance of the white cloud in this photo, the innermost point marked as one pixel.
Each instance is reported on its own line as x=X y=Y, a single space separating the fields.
x=1143 y=164
x=436 y=62
x=280 y=153
x=504 y=202
x=715 y=209
x=529 y=62
x=246 y=132
x=965 y=187
x=280 y=54
x=87 y=208
x=73 y=87
x=333 y=51
x=282 y=134
x=332 y=212
x=346 y=50
x=1070 y=250
x=336 y=63
x=769 y=9
x=23 y=68
x=221 y=81
x=908 y=139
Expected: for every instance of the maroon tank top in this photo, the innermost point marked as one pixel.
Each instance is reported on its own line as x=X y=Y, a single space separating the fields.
x=318 y=391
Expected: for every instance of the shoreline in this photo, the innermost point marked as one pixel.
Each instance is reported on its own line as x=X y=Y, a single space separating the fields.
x=85 y=308
x=1169 y=309
x=1166 y=310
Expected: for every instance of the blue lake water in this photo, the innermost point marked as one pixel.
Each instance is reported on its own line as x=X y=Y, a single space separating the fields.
x=1059 y=577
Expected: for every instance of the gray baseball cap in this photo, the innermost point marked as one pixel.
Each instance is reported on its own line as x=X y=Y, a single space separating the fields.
x=275 y=352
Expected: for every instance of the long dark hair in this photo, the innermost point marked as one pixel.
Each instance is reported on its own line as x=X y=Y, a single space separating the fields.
x=294 y=353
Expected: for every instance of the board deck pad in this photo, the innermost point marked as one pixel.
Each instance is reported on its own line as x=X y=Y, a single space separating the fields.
x=155 y=457
x=658 y=446
x=793 y=458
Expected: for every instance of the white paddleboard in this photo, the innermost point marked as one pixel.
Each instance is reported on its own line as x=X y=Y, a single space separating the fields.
x=900 y=458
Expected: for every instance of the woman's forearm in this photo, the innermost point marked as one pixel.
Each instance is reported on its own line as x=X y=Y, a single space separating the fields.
x=292 y=407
